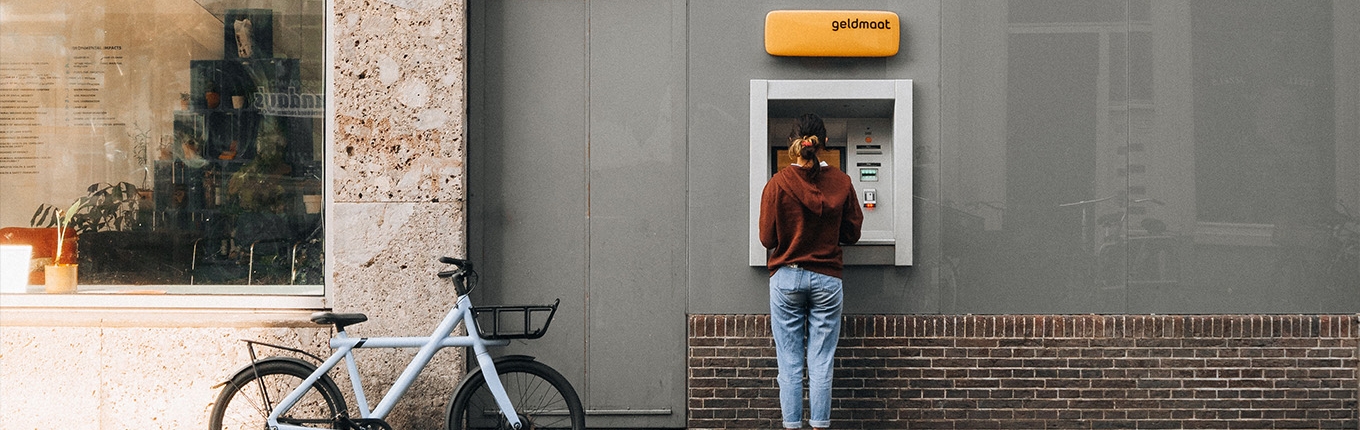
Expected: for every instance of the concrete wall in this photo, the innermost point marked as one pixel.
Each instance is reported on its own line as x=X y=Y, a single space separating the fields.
x=398 y=203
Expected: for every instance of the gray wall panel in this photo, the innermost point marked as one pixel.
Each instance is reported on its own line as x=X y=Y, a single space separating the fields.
x=638 y=251
x=579 y=190
x=528 y=227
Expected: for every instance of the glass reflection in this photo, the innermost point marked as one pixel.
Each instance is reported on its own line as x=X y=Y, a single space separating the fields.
x=188 y=132
x=1153 y=157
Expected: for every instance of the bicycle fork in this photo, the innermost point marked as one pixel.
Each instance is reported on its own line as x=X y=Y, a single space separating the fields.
x=493 y=382
x=488 y=366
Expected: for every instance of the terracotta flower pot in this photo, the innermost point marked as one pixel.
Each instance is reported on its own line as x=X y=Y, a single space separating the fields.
x=213 y=99
x=61 y=279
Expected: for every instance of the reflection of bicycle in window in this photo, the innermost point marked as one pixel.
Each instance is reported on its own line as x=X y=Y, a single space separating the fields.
x=1155 y=254
x=1085 y=264
x=1324 y=251
x=512 y=392
x=1110 y=255
x=961 y=237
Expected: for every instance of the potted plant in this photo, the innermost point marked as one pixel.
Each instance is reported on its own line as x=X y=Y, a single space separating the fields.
x=211 y=97
x=241 y=93
x=61 y=274
x=108 y=207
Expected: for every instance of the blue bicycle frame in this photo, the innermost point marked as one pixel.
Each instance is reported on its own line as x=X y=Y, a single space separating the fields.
x=344 y=347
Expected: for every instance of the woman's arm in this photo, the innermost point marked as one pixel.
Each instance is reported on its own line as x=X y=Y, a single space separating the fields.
x=851 y=219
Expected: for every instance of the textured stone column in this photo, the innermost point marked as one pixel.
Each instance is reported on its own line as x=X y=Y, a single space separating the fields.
x=398 y=178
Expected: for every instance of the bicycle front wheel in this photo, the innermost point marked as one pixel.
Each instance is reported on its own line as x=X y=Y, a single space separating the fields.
x=247 y=400
x=542 y=397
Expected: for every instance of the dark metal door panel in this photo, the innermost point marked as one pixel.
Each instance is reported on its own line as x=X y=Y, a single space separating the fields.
x=527 y=157
x=578 y=190
x=637 y=212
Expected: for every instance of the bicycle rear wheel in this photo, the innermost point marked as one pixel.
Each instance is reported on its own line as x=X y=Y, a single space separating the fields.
x=542 y=397
x=247 y=400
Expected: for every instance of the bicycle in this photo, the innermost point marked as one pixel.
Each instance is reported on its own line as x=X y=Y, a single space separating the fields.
x=1111 y=256
x=1088 y=263
x=282 y=393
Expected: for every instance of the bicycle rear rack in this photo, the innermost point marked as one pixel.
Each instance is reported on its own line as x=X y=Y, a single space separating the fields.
x=250 y=346
x=514 y=321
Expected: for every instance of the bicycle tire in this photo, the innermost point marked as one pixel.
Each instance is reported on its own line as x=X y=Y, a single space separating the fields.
x=542 y=397
x=243 y=404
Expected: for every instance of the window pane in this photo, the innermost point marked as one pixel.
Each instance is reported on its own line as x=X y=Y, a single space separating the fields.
x=190 y=132
x=1264 y=111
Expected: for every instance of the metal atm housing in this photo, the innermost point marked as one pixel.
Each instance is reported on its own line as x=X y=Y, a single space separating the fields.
x=869 y=136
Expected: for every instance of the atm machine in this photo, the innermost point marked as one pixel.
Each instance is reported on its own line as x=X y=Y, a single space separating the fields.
x=869 y=137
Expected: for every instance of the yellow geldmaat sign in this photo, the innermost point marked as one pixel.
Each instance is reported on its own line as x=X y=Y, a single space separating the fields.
x=832 y=33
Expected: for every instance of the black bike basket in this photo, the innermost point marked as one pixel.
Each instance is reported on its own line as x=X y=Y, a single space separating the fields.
x=514 y=321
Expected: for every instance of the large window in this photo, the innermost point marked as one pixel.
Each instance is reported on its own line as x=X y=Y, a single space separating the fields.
x=187 y=135
x=1264 y=112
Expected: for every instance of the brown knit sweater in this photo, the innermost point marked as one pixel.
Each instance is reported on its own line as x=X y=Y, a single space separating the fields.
x=804 y=222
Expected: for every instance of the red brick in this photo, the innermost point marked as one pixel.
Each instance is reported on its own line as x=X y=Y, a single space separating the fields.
x=1023 y=371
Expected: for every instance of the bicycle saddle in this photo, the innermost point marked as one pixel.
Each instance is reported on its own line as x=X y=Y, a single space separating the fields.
x=340 y=320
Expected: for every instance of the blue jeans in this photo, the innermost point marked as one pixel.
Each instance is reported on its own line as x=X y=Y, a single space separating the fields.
x=805 y=317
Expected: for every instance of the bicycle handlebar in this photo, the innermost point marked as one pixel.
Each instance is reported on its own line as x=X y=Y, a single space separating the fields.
x=1086 y=202
x=460 y=275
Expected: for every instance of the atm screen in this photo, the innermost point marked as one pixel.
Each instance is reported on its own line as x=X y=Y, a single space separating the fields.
x=779 y=158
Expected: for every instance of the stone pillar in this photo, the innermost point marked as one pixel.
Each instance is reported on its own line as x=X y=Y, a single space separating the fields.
x=398 y=183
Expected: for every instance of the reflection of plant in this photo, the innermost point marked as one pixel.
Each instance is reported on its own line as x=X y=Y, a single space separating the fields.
x=141 y=141
x=1344 y=263
x=244 y=85
x=259 y=77
x=108 y=207
x=310 y=263
x=257 y=186
x=211 y=96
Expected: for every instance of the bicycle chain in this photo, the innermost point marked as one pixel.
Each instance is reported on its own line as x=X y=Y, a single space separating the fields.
x=344 y=423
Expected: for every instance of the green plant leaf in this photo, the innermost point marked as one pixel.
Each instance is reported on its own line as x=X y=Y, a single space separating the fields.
x=72 y=211
x=39 y=216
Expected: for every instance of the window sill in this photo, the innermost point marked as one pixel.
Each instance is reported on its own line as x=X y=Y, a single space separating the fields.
x=1232 y=234
x=165 y=306
x=153 y=318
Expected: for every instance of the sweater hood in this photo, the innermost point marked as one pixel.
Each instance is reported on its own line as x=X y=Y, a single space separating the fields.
x=794 y=181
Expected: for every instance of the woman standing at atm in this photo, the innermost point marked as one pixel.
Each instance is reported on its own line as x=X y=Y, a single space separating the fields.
x=807 y=211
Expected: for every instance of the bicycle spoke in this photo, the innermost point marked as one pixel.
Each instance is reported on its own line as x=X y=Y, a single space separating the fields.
x=534 y=399
x=247 y=402
x=539 y=403
x=248 y=407
x=261 y=410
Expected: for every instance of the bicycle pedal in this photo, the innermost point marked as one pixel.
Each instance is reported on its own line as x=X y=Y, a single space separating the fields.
x=363 y=424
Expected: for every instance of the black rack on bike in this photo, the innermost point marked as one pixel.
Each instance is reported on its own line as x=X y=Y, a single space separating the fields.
x=504 y=321
x=514 y=321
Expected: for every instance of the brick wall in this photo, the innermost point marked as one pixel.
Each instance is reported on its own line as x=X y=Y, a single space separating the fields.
x=1079 y=371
